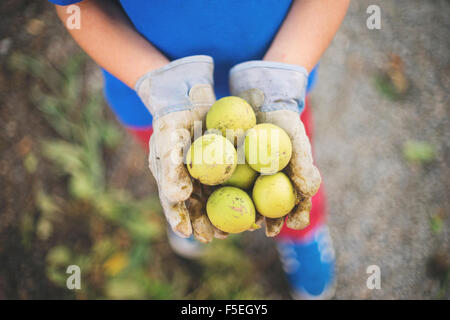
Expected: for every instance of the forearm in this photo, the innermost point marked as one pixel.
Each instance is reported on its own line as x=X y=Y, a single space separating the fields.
x=108 y=37
x=307 y=32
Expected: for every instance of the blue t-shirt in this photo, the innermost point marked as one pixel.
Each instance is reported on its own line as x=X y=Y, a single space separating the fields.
x=230 y=31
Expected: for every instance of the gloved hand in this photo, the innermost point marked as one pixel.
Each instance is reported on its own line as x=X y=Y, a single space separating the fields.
x=178 y=96
x=276 y=91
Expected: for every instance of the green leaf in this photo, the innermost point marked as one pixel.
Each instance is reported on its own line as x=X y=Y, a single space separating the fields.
x=30 y=162
x=44 y=228
x=418 y=152
x=27 y=228
x=111 y=135
x=22 y=62
x=82 y=187
x=124 y=288
x=66 y=155
x=386 y=87
x=46 y=204
x=37 y=67
x=59 y=256
x=436 y=224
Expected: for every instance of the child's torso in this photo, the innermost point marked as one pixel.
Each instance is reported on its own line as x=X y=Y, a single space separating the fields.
x=231 y=31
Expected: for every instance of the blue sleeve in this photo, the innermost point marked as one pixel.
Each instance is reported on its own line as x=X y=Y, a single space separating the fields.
x=64 y=2
x=312 y=79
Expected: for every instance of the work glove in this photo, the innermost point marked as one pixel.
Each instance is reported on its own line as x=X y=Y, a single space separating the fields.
x=276 y=91
x=178 y=96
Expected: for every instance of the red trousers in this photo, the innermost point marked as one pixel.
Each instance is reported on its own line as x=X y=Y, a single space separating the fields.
x=318 y=201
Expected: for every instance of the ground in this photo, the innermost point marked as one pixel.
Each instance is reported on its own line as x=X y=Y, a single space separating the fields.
x=380 y=205
x=381 y=142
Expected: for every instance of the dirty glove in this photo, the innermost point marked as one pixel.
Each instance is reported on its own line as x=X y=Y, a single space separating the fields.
x=178 y=96
x=276 y=91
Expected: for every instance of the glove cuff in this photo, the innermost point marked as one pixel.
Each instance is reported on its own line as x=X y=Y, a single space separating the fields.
x=173 y=64
x=268 y=64
x=171 y=87
x=283 y=85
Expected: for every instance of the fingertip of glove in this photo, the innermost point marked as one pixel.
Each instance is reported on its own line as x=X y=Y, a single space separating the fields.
x=273 y=226
x=183 y=229
x=299 y=219
x=219 y=234
x=202 y=238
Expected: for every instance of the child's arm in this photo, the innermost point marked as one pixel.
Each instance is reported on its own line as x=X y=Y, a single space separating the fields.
x=307 y=32
x=109 y=38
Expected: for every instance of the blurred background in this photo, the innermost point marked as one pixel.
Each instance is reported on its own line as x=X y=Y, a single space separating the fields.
x=75 y=189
